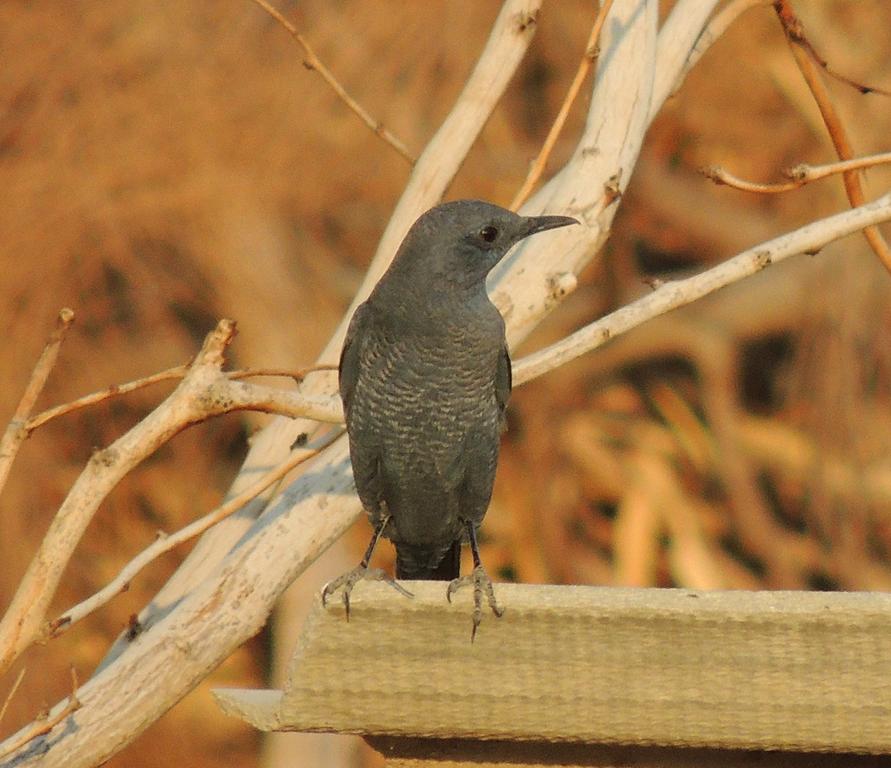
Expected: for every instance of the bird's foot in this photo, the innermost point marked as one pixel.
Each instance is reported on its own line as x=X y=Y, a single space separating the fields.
x=481 y=584
x=348 y=580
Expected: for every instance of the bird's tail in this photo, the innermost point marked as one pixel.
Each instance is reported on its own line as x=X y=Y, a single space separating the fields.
x=417 y=565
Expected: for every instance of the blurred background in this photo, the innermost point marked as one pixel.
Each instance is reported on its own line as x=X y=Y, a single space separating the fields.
x=165 y=164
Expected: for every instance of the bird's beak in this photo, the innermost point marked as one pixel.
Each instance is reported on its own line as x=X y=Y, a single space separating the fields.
x=541 y=223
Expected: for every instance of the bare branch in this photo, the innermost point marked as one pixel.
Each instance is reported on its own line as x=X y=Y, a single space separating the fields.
x=313 y=62
x=681 y=40
x=177 y=372
x=837 y=132
x=795 y=32
x=205 y=391
x=246 y=396
x=165 y=543
x=11 y=694
x=526 y=286
x=720 y=175
x=799 y=175
x=298 y=375
x=188 y=403
x=45 y=724
x=97 y=397
x=17 y=431
x=677 y=293
x=590 y=55
x=807 y=173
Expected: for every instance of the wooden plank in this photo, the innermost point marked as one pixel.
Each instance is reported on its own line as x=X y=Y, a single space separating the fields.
x=407 y=752
x=802 y=671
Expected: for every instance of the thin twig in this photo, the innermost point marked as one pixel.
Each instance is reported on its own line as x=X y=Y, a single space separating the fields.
x=591 y=53
x=798 y=176
x=15 y=687
x=314 y=63
x=806 y=173
x=193 y=401
x=203 y=392
x=97 y=397
x=44 y=725
x=722 y=176
x=795 y=31
x=813 y=75
x=165 y=543
x=298 y=375
x=176 y=372
x=17 y=431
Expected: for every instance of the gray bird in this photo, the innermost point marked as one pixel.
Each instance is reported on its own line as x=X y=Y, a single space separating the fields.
x=425 y=377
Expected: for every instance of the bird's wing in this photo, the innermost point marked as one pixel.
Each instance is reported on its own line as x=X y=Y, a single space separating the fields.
x=479 y=452
x=348 y=370
x=365 y=453
x=503 y=381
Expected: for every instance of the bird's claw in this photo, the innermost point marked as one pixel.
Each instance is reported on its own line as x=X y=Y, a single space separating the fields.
x=348 y=580
x=481 y=584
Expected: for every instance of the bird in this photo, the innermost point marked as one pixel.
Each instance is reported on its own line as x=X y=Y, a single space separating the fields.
x=425 y=378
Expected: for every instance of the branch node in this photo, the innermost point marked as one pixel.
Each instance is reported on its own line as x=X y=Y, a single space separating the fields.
x=57 y=626
x=134 y=628
x=43 y=722
x=612 y=189
x=525 y=21
x=538 y=166
x=104 y=457
x=213 y=350
x=562 y=284
x=797 y=173
x=713 y=173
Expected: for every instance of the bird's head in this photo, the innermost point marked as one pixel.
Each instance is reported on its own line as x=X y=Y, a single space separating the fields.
x=457 y=244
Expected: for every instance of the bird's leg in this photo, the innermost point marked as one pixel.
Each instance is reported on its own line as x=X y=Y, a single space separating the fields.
x=349 y=579
x=481 y=583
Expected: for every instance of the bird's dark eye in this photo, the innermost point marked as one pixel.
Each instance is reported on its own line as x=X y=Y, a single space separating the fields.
x=489 y=234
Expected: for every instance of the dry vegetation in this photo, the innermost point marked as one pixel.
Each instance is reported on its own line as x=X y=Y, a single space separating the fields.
x=166 y=164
